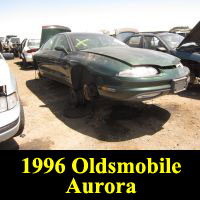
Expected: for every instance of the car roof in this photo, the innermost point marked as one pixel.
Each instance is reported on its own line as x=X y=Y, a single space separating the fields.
x=155 y=33
x=82 y=33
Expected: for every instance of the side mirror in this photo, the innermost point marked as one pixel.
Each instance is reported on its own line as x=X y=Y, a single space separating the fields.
x=162 y=49
x=61 y=49
x=8 y=56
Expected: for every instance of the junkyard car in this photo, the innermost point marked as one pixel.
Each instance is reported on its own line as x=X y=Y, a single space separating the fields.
x=5 y=43
x=13 y=45
x=97 y=64
x=187 y=49
x=27 y=49
x=11 y=111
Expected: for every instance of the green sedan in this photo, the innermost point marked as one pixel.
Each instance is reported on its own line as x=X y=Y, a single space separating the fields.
x=94 y=65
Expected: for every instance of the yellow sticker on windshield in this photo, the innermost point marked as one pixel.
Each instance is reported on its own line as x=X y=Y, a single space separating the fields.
x=81 y=43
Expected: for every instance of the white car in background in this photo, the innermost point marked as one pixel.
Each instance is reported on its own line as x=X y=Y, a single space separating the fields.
x=27 y=49
x=11 y=110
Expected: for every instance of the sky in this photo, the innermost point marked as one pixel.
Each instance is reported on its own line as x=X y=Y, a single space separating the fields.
x=26 y=18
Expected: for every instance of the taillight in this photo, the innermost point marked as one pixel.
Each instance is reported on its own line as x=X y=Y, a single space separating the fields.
x=32 y=50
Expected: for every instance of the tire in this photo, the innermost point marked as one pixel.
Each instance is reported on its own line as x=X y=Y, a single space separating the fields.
x=22 y=121
x=9 y=56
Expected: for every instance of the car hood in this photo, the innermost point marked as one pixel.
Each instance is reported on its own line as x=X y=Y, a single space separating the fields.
x=193 y=36
x=6 y=77
x=136 y=56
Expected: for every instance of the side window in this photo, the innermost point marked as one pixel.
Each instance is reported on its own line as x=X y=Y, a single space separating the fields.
x=49 y=44
x=151 y=42
x=134 y=41
x=62 y=42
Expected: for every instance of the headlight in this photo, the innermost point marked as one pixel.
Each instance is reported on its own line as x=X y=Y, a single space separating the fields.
x=3 y=104
x=8 y=102
x=12 y=101
x=139 y=72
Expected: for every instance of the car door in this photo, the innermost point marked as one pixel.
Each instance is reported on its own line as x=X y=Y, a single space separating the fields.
x=46 y=57
x=22 y=46
x=60 y=63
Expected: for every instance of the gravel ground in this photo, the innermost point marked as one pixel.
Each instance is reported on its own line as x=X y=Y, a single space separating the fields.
x=168 y=122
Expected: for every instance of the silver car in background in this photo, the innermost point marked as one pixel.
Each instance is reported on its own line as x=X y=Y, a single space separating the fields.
x=27 y=49
x=13 y=45
x=11 y=110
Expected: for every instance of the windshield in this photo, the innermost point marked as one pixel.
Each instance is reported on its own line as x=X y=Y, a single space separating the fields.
x=173 y=40
x=88 y=41
x=34 y=43
x=15 y=40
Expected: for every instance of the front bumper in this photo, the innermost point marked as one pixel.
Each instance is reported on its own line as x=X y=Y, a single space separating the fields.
x=9 y=123
x=141 y=93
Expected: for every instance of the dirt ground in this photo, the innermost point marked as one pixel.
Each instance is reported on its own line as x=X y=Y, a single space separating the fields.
x=168 y=122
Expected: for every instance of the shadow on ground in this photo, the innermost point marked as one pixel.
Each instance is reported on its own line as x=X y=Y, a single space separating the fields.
x=9 y=145
x=192 y=92
x=27 y=68
x=111 y=121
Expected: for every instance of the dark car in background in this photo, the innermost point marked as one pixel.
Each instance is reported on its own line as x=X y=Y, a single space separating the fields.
x=187 y=49
x=95 y=65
